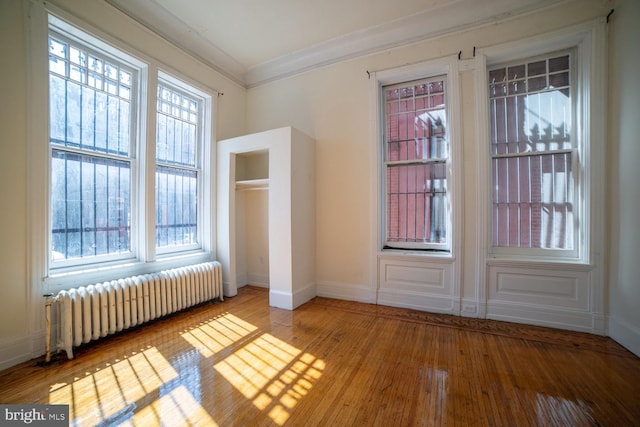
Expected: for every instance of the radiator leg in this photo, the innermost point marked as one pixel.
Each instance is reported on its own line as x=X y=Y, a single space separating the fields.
x=48 y=301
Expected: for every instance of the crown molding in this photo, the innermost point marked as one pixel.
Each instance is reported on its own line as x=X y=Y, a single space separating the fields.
x=162 y=23
x=446 y=19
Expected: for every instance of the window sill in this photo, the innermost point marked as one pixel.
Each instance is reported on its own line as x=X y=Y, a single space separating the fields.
x=543 y=262
x=403 y=254
x=66 y=278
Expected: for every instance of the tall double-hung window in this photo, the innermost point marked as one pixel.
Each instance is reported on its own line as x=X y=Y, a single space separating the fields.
x=177 y=167
x=123 y=184
x=534 y=155
x=92 y=122
x=416 y=157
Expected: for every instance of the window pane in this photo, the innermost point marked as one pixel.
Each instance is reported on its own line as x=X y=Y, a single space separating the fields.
x=84 y=111
x=90 y=158
x=531 y=146
x=91 y=204
x=415 y=122
x=176 y=207
x=176 y=128
x=416 y=153
x=416 y=203
x=532 y=202
x=535 y=116
x=177 y=168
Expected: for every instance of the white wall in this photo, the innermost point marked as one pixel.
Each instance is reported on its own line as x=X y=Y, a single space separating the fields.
x=20 y=336
x=13 y=185
x=332 y=105
x=291 y=219
x=624 y=134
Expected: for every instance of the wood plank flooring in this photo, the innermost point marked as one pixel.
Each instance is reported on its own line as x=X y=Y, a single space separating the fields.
x=336 y=363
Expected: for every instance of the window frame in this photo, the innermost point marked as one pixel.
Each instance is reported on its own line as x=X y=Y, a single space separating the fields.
x=448 y=67
x=588 y=42
x=183 y=87
x=575 y=150
x=386 y=164
x=144 y=259
x=70 y=34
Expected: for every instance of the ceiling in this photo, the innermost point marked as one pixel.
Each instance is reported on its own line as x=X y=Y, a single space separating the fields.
x=256 y=41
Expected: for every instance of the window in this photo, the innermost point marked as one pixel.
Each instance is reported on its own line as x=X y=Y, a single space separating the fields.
x=533 y=153
x=177 y=167
x=90 y=133
x=123 y=185
x=416 y=156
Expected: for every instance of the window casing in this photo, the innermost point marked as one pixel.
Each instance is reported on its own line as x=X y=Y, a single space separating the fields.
x=92 y=116
x=416 y=164
x=105 y=166
x=534 y=155
x=178 y=170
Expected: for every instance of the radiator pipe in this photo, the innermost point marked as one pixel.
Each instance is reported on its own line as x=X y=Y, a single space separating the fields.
x=48 y=301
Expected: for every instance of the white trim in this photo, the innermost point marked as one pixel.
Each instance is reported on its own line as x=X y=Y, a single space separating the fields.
x=198 y=47
x=447 y=66
x=289 y=300
x=625 y=334
x=551 y=317
x=347 y=291
x=550 y=309
x=204 y=164
x=448 y=18
x=436 y=21
x=16 y=351
x=587 y=38
x=483 y=166
x=38 y=14
x=260 y=280
x=38 y=159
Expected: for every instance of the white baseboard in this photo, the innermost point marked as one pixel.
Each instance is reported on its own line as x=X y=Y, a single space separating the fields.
x=418 y=301
x=625 y=334
x=228 y=291
x=347 y=292
x=259 y=280
x=13 y=352
x=552 y=317
x=291 y=301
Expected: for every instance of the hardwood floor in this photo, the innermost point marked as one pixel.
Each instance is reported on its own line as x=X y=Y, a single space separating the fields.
x=336 y=363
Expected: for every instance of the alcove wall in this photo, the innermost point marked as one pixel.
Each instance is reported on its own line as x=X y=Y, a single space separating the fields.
x=252 y=218
x=291 y=211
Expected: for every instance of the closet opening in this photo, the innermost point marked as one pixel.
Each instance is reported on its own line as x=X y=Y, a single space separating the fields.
x=252 y=218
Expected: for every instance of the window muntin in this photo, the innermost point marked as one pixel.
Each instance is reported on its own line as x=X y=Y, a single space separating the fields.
x=178 y=136
x=415 y=157
x=90 y=135
x=533 y=154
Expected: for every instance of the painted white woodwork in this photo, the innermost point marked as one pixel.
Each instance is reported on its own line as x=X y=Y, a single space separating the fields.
x=291 y=213
x=564 y=292
x=418 y=284
x=427 y=281
x=557 y=296
x=210 y=33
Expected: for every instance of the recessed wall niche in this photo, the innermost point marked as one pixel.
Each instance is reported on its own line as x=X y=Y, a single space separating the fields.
x=289 y=183
x=252 y=218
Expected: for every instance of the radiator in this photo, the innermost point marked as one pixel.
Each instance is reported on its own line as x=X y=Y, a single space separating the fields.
x=91 y=312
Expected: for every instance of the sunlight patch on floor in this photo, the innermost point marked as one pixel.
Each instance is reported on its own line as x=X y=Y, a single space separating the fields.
x=175 y=408
x=272 y=373
x=217 y=334
x=105 y=393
